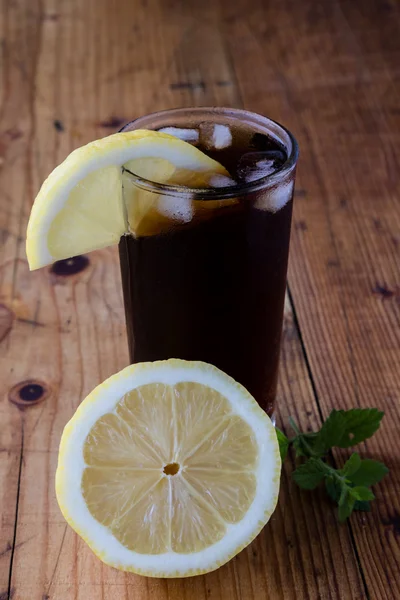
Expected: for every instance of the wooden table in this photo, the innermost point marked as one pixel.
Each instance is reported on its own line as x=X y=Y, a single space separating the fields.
x=73 y=71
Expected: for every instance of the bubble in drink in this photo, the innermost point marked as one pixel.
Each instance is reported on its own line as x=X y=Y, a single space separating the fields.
x=255 y=165
x=214 y=136
x=187 y=135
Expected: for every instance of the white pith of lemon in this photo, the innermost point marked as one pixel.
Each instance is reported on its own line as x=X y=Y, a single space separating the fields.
x=151 y=419
x=81 y=207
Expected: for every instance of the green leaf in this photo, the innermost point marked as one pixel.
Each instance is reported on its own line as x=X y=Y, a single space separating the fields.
x=349 y=486
x=359 y=425
x=346 y=505
x=369 y=473
x=305 y=443
x=351 y=466
x=300 y=447
x=345 y=428
x=331 y=432
x=333 y=489
x=283 y=443
x=310 y=474
x=344 y=492
x=362 y=493
x=362 y=505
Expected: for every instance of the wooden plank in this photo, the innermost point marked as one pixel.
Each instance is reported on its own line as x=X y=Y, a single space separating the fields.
x=16 y=69
x=10 y=448
x=344 y=269
x=96 y=66
x=293 y=556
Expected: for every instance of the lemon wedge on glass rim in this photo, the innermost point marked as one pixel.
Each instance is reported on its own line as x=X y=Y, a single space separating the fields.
x=81 y=205
x=168 y=469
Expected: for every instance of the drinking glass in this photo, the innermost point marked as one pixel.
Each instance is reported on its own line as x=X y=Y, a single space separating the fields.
x=206 y=278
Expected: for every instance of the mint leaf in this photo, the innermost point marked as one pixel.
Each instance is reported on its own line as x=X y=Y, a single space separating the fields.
x=362 y=493
x=301 y=447
x=303 y=443
x=345 y=428
x=346 y=505
x=351 y=466
x=310 y=474
x=331 y=432
x=333 y=489
x=283 y=443
x=344 y=492
x=349 y=486
x=362 y=505
x=359 y=425
x=369 y=473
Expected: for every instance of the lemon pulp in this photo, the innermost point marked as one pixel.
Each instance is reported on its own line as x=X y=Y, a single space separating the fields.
x=210 y=452
x=168 y=469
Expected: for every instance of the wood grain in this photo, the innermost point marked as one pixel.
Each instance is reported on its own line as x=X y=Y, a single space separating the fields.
x=345 y=275
x=73 y=71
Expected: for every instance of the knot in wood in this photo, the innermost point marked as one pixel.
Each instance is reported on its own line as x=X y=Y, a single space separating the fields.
x=29 y=393
x=70 y=266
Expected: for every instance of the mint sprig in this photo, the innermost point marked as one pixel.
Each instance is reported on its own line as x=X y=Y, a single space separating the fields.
x=350 y=486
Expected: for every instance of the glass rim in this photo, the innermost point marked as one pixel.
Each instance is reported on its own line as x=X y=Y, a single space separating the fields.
x=232 y=191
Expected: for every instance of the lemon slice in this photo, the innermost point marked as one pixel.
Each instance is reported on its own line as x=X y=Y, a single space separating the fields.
x=80 y=207
x=168 y=469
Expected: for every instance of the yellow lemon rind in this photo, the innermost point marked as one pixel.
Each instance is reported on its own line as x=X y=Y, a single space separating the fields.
x=112 y=151
x=102 y=400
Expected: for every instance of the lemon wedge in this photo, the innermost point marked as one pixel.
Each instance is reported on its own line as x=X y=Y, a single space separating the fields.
x=81 y=205
x=168 y=469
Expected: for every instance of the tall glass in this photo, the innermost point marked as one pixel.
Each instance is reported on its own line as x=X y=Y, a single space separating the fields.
x=209 y=282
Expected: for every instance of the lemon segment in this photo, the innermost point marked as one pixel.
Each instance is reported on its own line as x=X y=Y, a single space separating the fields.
x=88 y=218
x=168 y=469
x=80 y=207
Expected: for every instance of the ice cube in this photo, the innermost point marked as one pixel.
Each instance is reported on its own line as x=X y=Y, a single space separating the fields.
x=187 y=135
x=220 y=181
x=214 y=136
x=176 y=208
x=275 y=198
x=255 y=165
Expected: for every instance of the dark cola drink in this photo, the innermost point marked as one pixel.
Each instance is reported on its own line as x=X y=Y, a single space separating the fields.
x=212 y=288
